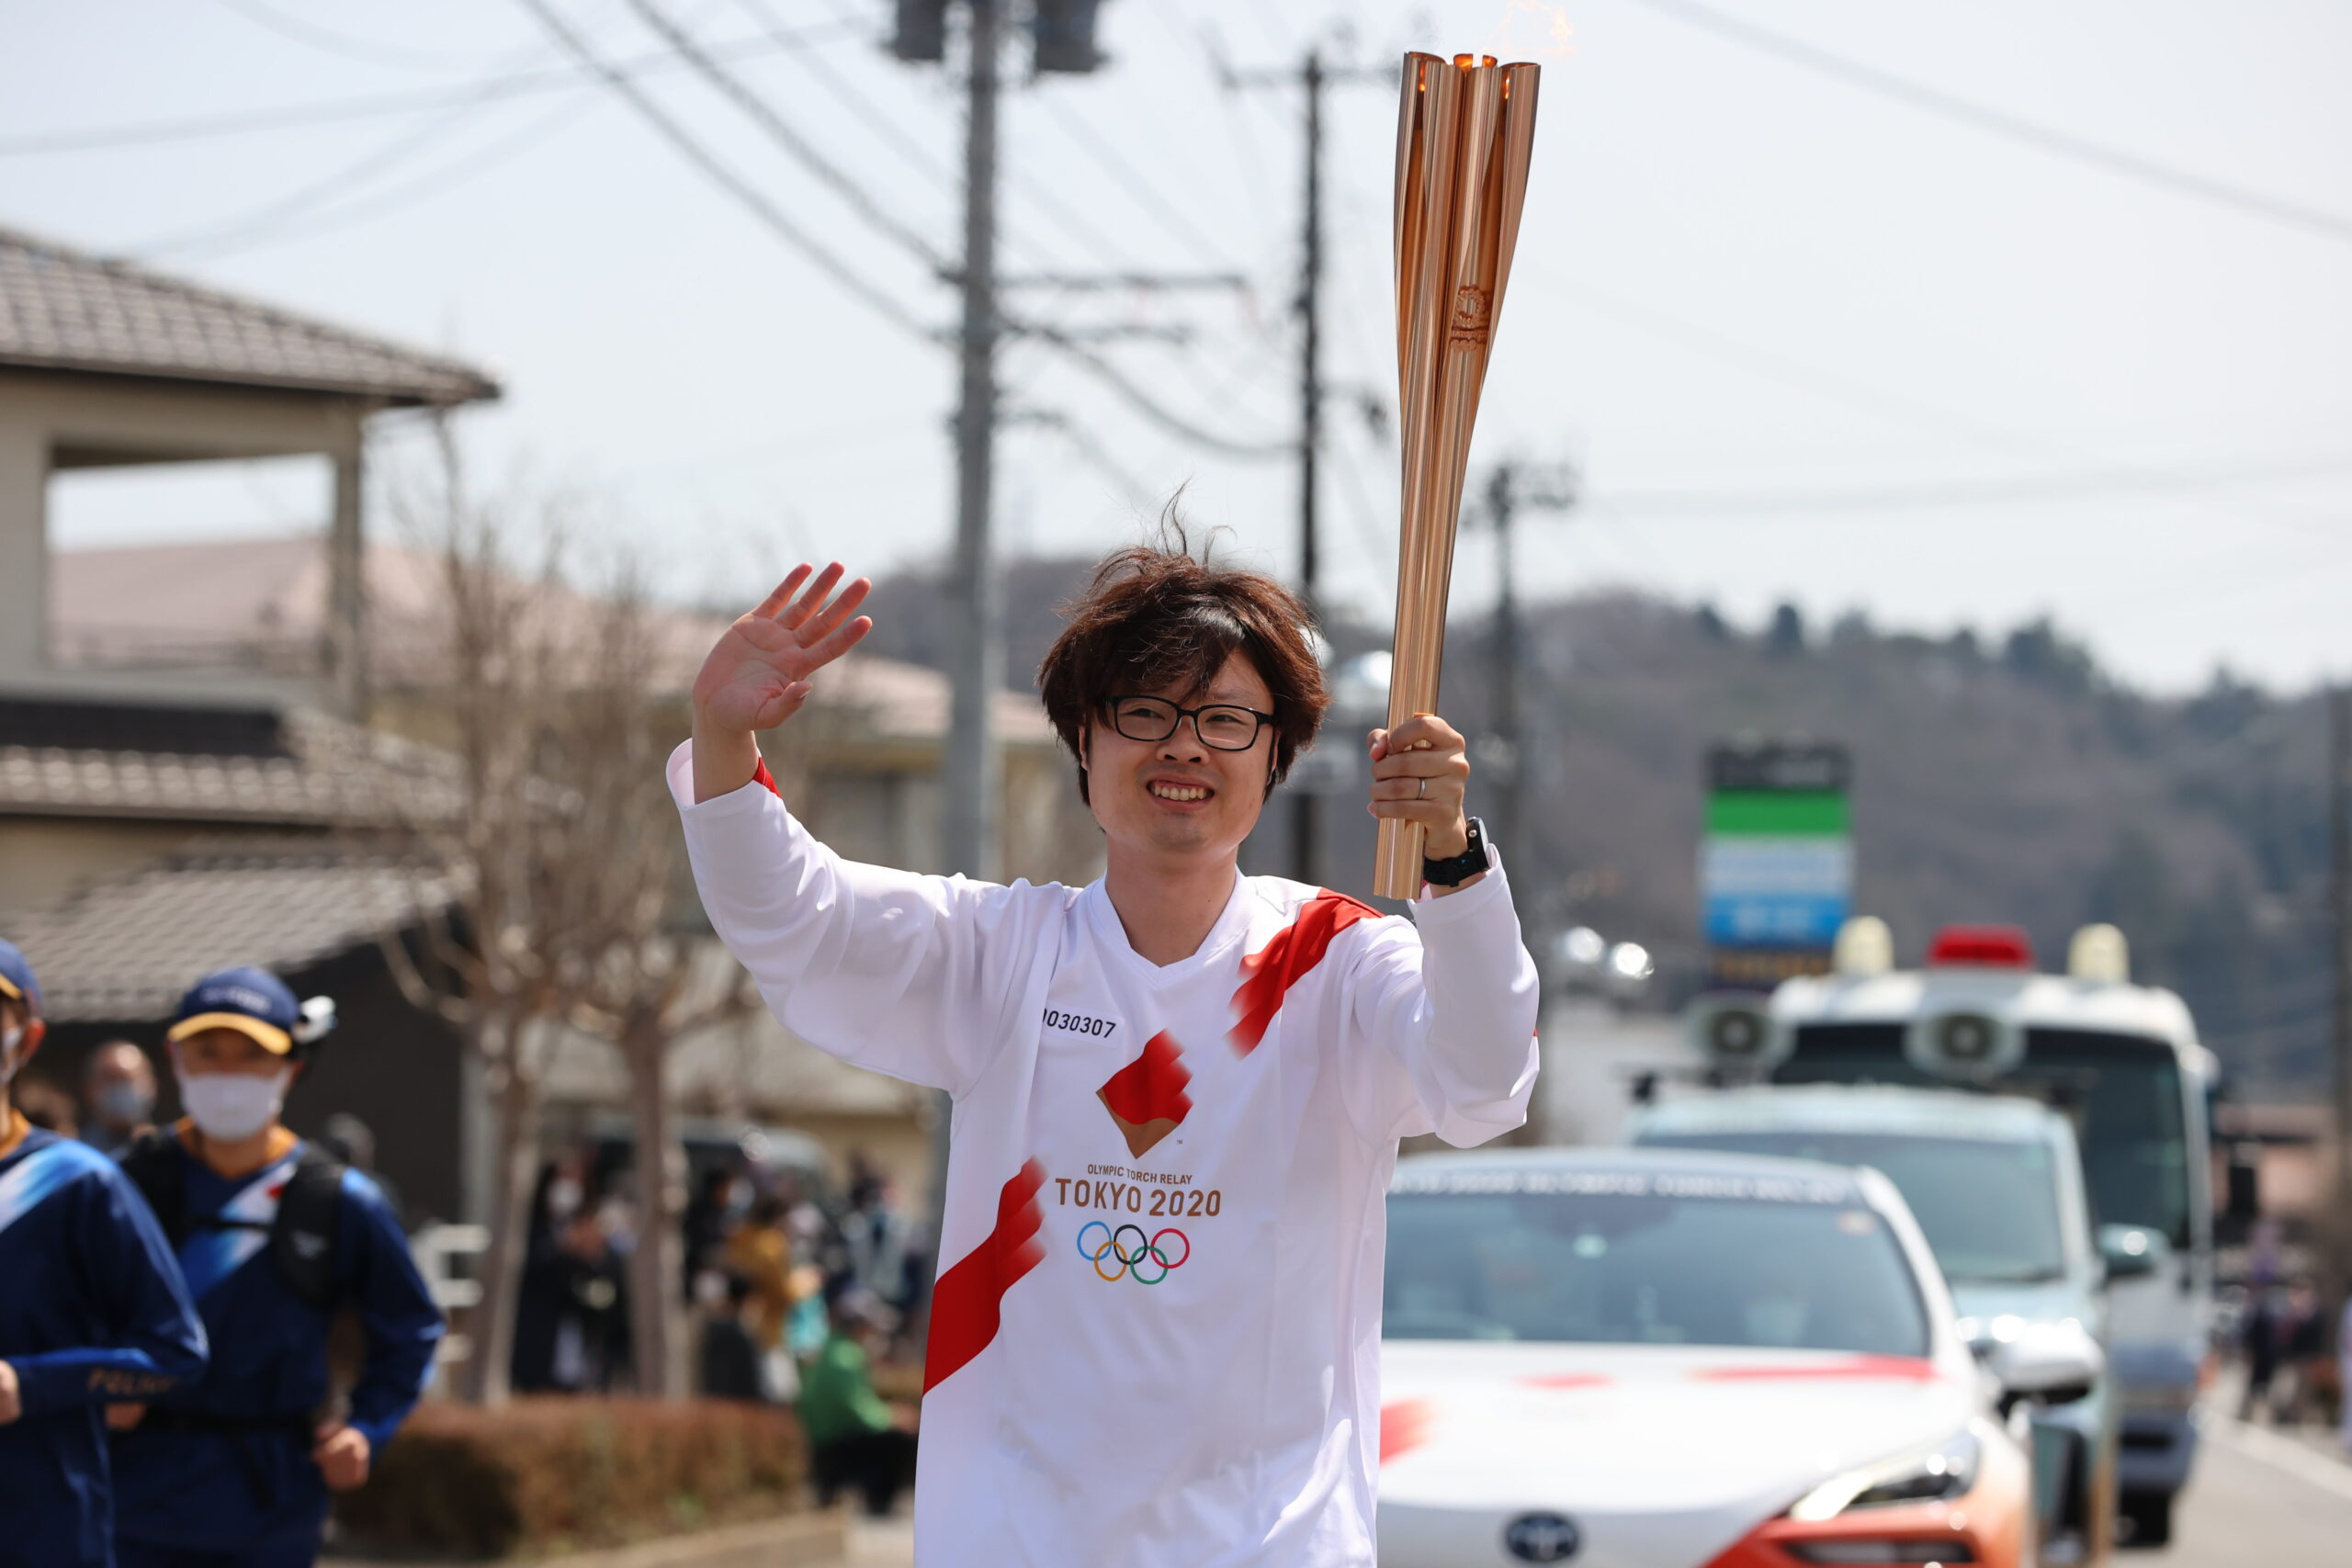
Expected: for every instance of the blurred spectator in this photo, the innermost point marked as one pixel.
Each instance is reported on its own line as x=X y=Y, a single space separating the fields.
x=855 y=1437
x=731 y=1365
x=545 y=1297
x=2258 y=1338
x=350 y=1140
x=2344 y=1372
x=2303 y=1346
x=571 y=1331
x=814 y=1235
x=880 y=1243
x=805 y=1329
x=716 y=1207
x=45 y=1105
x=2285 y=1337
x=117 y=1095
x=759 y=1252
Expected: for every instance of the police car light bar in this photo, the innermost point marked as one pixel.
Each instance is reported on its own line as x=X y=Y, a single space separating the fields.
x=1981 y=947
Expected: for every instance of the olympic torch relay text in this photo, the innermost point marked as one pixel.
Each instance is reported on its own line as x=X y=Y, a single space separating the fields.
x=1138 y=1197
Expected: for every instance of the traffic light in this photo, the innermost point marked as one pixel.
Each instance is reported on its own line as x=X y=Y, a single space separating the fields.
x=921 y=32
x=1063 y=31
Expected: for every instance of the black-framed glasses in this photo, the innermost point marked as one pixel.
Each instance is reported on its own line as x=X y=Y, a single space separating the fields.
x=1223 y=727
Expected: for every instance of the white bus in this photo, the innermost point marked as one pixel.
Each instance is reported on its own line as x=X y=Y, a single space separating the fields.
x=2122 y=1061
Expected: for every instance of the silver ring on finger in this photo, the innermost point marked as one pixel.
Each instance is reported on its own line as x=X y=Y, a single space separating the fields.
x=1420 y=789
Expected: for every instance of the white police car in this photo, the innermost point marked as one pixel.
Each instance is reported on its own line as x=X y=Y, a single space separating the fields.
x=1635 y=1359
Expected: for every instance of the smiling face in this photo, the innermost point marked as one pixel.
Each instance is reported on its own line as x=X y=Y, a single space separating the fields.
x=1179 y=796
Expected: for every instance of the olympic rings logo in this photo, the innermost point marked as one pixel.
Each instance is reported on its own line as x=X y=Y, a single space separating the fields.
x=1128 y=1261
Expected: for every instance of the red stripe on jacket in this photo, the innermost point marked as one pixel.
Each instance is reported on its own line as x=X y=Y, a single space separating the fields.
x=969 y=1297
x=1267 y=973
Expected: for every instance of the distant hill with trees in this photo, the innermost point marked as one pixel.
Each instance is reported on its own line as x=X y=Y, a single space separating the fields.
x=1999 y=776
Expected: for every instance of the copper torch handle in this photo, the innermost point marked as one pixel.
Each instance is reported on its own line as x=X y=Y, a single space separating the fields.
x=1464 y=131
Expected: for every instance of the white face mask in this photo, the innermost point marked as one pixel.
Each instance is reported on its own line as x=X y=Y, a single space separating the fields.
x=232 y=1107
x=8 y=1043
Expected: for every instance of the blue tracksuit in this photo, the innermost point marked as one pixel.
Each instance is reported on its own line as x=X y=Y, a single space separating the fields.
x=92 y=1310
x=221 y=1472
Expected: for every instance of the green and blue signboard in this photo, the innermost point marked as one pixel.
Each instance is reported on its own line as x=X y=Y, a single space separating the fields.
x=1776 y=867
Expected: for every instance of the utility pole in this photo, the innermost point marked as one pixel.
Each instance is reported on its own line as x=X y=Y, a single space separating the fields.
x=1063 y=36
x=1509 y=488
x=1306 y=805
x=1311 y=77
x=1062 y=33
x=969 y=812
x=1501 y=753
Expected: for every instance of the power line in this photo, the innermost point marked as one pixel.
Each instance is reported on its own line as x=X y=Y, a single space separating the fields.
x=434 y=182
x=1822 y=381
x=849 y=189
x=200 y=128
x=849 y=278
x=1137 y=185
x=384 y=157
x=1089 y=449
x=1044 y=200
x=329 y=40
x=889 y=130
x=1143 y=401
x=849 y=98
x=1793 y=372
x=1067 y=343
x=1998 y=122
x=744 y=191
x=2089 y=485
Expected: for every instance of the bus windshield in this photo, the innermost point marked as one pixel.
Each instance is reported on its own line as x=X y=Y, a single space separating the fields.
x=2121 y=1092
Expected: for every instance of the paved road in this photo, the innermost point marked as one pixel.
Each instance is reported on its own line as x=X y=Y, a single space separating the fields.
x=887 y=1544
x=2260 y=1500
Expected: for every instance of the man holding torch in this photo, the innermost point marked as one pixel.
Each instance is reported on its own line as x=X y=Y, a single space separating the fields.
x=1178 y=1091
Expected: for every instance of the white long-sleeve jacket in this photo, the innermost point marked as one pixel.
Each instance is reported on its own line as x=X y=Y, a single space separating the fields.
x=1155 y=1335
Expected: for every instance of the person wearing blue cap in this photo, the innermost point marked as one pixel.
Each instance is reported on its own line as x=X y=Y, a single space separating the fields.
x=276 y=1238
x=92 y=1310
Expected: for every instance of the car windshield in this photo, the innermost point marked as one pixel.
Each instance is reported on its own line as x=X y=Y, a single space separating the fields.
x=2122 y=1092
x=1646 y=1259
x=1989 y=1206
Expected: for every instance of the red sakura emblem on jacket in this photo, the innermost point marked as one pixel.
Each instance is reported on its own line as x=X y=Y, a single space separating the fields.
x=1146 y=1097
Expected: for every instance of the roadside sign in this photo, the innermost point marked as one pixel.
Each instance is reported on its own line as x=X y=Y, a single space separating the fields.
x=1776 y=866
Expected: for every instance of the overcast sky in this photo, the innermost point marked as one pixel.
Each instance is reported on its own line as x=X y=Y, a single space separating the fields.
x=1804 y=340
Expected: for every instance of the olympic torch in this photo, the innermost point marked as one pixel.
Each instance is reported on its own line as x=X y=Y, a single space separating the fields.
x=1464 y=132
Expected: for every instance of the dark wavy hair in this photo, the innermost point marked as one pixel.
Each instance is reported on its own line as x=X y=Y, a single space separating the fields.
x=1158 y=615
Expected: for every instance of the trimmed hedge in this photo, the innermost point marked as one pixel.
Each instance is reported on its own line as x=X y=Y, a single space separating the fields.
x=546 y=1475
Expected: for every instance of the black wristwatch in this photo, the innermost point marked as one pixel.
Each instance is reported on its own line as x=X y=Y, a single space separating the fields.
x=1452 y=873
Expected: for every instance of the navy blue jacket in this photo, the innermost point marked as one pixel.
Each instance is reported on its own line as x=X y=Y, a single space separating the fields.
x=92 y=1310
x=223 y=1464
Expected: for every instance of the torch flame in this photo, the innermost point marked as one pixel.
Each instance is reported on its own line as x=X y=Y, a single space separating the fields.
x=1553 y=20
